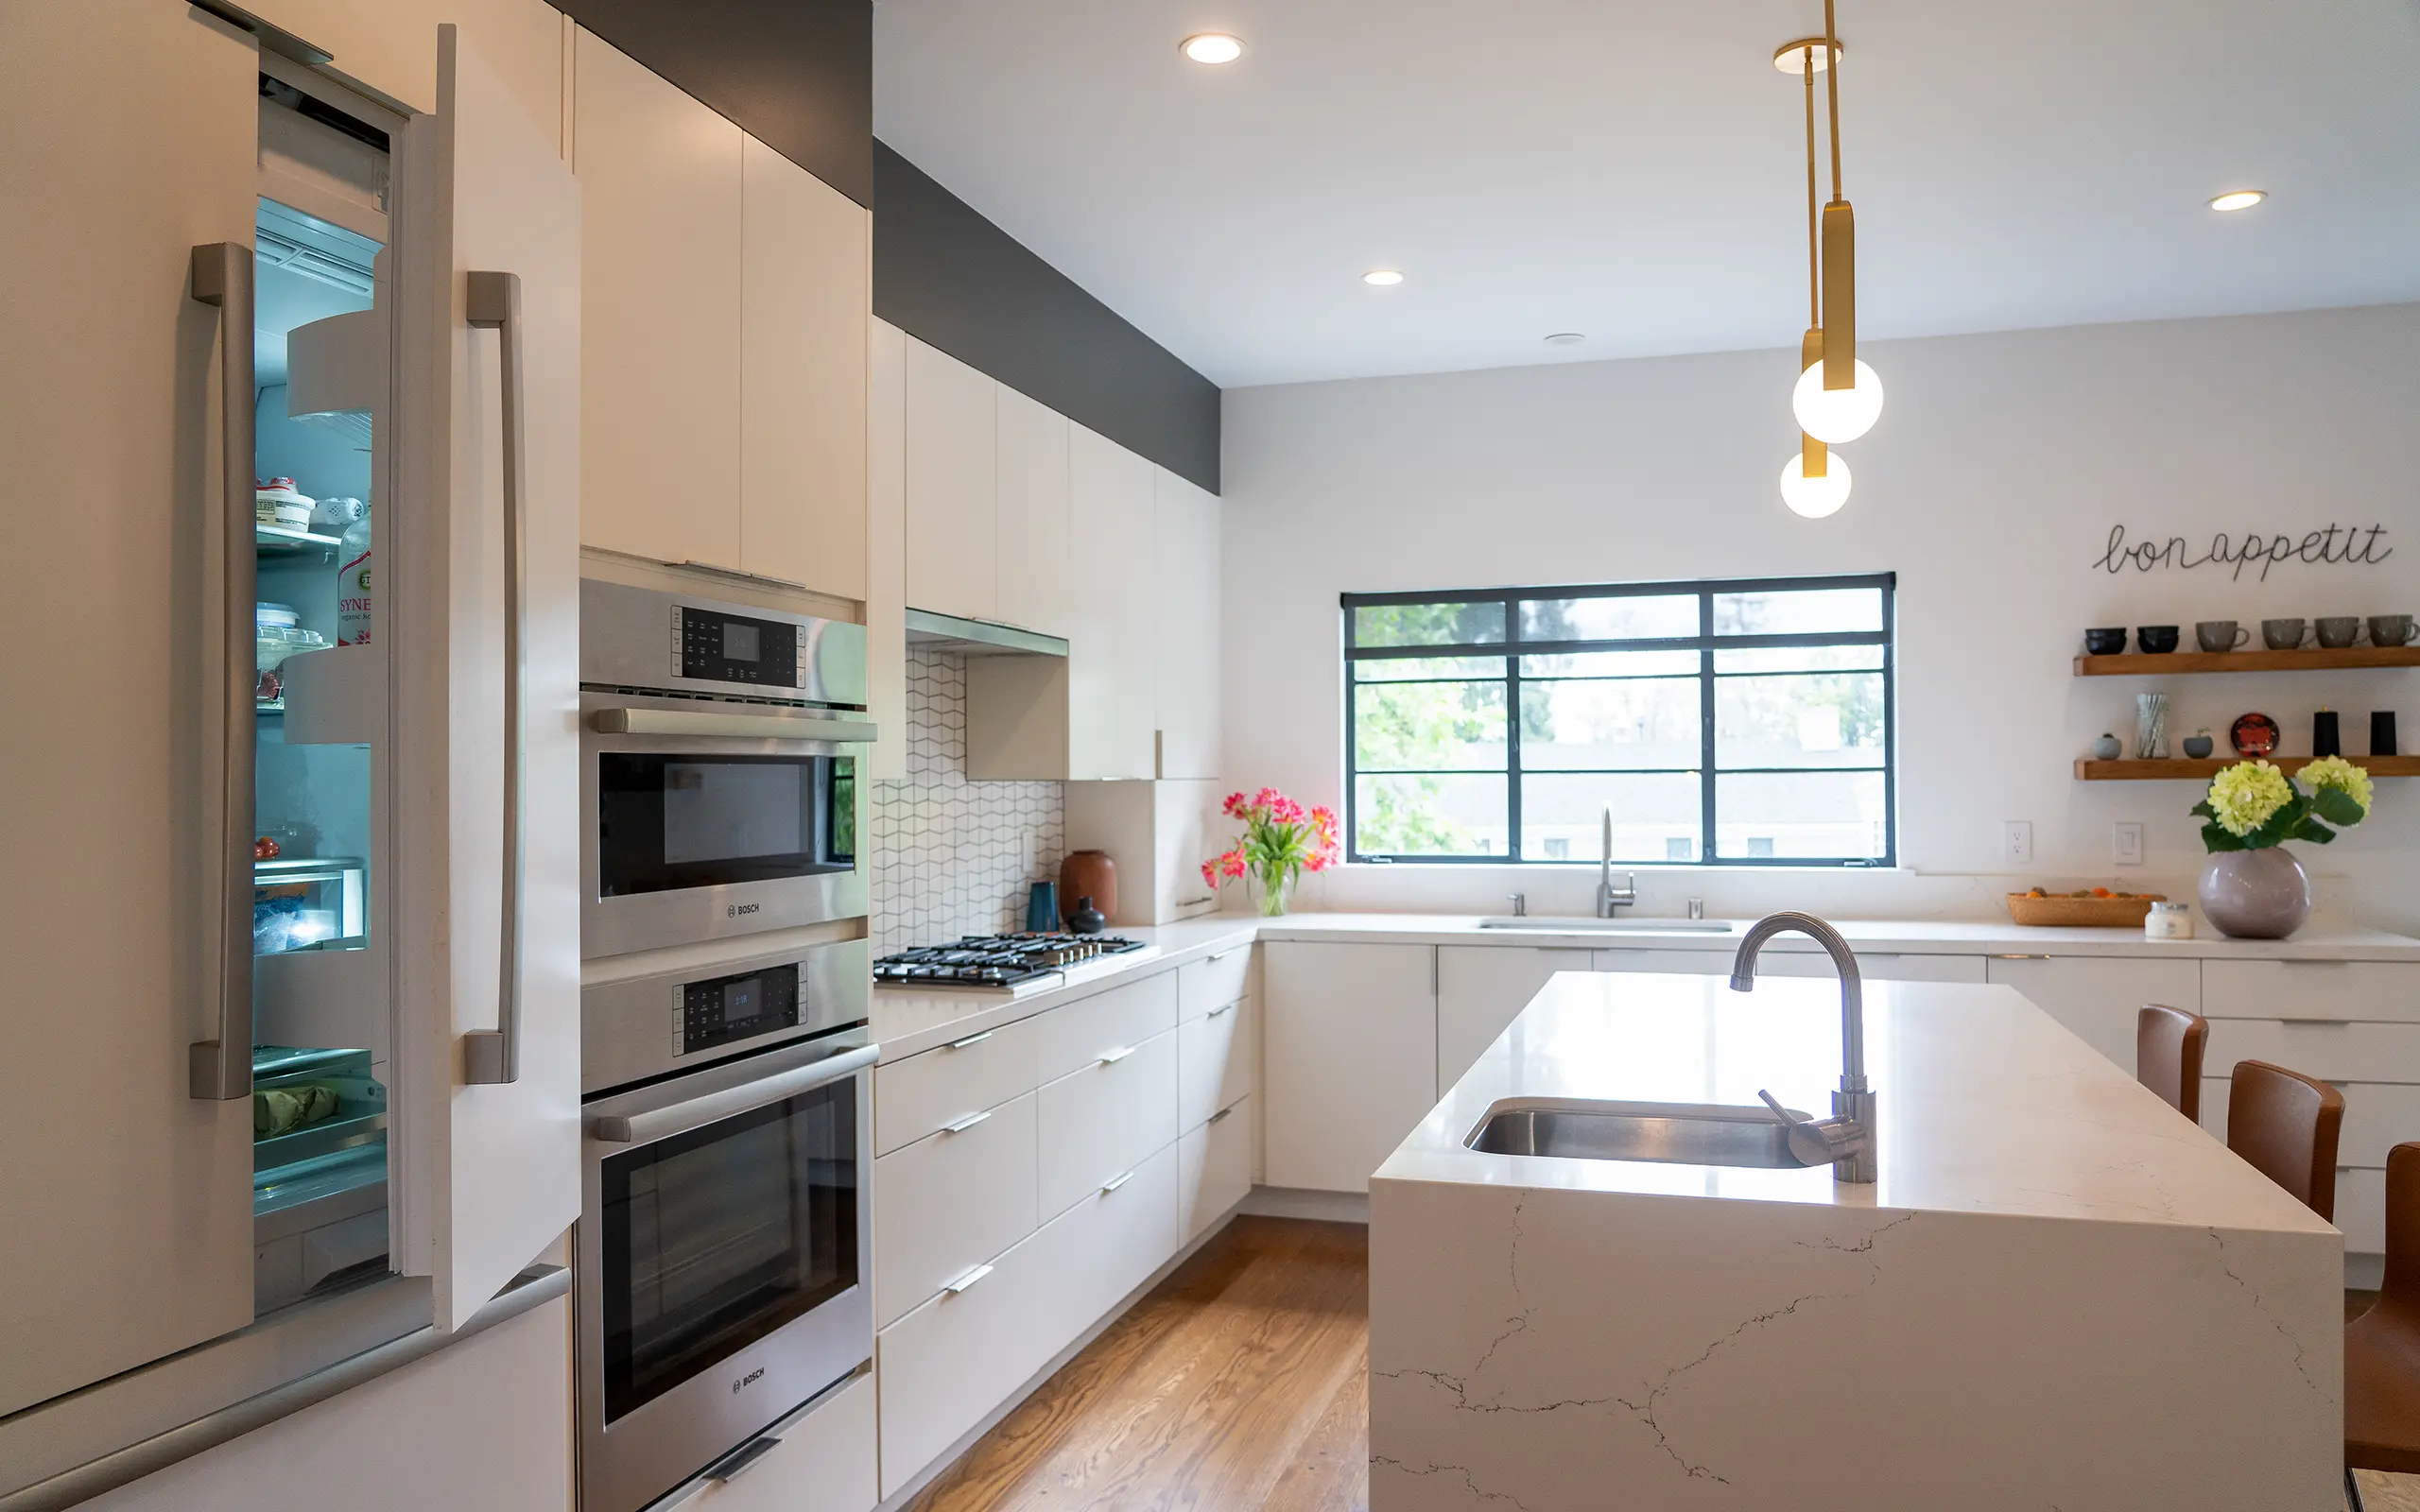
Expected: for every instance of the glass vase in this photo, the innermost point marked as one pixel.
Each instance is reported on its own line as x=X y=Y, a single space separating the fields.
x=1268 y=892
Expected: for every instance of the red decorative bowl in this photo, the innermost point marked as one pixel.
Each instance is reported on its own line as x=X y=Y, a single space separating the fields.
x=2254 y=735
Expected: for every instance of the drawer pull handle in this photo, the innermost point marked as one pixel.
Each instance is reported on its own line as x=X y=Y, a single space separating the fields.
x=1215 y=1012
x=2318 y=1024
x=970 y=1040
x=1114 y=1057
x=965 y=1124
x=953 y=1288
x=1221 y=956
x=2020 y=957
x=1222 y=1112
x=1114 y=1182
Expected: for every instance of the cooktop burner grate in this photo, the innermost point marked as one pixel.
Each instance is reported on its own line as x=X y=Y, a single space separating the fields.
x=996 y=960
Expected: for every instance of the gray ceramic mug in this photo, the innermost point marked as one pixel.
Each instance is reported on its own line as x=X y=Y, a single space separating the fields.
x=2220 y=635
x=2390 y=629
x=2337 y=631
x=2281 y=635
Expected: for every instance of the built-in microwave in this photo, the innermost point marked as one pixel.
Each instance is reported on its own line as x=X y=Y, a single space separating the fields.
x=721 y=775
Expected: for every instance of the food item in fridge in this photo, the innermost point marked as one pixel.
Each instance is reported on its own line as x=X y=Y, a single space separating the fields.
x=278 y=502
x=353 y=582
x=267 y=848
x=283 y=1109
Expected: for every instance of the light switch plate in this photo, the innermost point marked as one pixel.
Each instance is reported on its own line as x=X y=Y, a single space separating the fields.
x=2016 y=842
x=2126 y=843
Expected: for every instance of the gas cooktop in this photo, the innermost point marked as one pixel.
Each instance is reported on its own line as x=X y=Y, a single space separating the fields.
x=996 y=961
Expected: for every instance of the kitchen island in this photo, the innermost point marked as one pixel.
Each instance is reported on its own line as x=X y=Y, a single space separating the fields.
x=2059 y=1292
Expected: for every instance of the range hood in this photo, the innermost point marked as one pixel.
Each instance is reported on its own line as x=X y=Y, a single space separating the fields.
x=947 y=632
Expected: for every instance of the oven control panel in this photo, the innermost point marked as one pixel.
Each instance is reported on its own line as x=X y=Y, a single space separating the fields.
x=642 y=640
x=719 y=646
x=726 y=1009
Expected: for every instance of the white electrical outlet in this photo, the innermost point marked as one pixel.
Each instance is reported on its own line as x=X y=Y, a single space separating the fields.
x=2126 y=843
x=2016 y=842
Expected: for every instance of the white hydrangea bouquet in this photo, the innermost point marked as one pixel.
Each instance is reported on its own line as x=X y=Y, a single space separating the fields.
x=2254 y=806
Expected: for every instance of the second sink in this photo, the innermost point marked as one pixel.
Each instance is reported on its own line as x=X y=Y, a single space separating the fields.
x=1664 y=1133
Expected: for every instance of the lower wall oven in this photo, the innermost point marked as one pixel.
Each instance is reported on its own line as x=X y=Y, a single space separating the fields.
x=724 y=1255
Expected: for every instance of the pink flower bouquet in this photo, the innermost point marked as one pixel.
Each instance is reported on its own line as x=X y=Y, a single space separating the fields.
x=1281 y=841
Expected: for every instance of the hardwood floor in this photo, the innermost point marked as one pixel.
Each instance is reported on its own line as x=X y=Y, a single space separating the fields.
x=1240 y=1384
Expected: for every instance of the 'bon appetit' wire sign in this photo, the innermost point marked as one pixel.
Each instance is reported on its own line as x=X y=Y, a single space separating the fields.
x=2333 y=546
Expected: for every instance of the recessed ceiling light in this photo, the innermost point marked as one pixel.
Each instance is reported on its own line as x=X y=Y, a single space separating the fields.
x=1566 y=338
x=2239 y=200
x=1213 y=47
x=1382 y=278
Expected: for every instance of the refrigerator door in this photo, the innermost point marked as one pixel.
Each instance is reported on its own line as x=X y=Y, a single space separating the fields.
x=487 y=727
x=126 y=1183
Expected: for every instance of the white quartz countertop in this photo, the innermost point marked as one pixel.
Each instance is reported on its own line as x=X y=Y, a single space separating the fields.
x=1984 y=1104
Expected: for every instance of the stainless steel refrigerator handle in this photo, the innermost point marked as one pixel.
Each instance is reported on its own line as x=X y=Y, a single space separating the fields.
x=220 y=1069
x=493 y=300
x=695 y=1112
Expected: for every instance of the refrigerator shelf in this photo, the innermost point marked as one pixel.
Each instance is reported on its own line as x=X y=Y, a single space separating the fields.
x=276 y=540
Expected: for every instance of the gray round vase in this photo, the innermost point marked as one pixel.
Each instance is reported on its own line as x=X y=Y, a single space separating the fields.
x=2256 y=894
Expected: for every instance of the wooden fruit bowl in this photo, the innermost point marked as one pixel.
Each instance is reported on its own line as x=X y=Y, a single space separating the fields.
x=2056 y=912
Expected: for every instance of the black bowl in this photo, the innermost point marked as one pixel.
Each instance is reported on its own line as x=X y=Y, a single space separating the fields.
x=2104 y=643
x=2156 y=639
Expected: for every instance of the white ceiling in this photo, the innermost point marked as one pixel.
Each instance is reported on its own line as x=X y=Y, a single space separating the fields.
x=1634 y=172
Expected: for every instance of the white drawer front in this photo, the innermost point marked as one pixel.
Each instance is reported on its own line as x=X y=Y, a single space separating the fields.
x=826 y=1464
x=2386 y=992
x=2361 y=1211
x=2377 y=1116
x=916 y=1096
x=1670 y=962
x=1102 y=1120
x=1213 y=1169
x=1910 y=968
x=2332 y=1052
x=1213 y=981
x=1217 y=1057
x=1126 y=1234
x=951 y=1201
x=1120 y=1019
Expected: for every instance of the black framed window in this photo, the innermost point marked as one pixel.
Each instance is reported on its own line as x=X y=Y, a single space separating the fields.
x=1744 y=722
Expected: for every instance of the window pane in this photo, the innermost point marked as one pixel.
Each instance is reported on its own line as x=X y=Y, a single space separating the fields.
x=1430 y=815
x=1418 y=727
x=1593 y=726
x=1800 y=658
x=1655 y=816
x=1401 y=668
x=1610 y=619
x=1613 y=664
x=1825 y=816
x=1446 y=623
x=1827 y=719
x=1803 y=612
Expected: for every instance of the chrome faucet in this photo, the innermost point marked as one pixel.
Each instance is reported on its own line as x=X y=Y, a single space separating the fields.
x=1608 y=895
x=1847 y=1138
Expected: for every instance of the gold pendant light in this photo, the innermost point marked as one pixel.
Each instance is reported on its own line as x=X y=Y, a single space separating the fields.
x=1814 y=483
x=1843 y=402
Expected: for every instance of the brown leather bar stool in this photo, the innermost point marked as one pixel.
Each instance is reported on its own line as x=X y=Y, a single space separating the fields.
x=2285 y=1124
x=2168 y=1054
x=2382 y=1345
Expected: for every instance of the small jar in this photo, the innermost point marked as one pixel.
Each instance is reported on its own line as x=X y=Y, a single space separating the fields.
x=2168 y=921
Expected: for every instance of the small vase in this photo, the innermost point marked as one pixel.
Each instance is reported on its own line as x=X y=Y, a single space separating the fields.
x=1272 y=899
x=2256 y=894
x=2150 y=726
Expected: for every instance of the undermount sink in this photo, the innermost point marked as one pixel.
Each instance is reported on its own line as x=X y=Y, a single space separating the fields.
x=1611 y=926
x=1665 y=1133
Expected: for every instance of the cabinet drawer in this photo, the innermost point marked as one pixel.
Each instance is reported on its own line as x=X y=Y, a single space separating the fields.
x=1218 y=1060
x=1120 y=1019
x=951 y=1201
x=826 y=1464
x=1214 y=981
x=2377 y=1116
x=1213 y=1169
x=2332 y=1052
x=1126 y=1234
x=918 y=1095
x=1100 y=1123
x=2387 y=991
x=2361 y=1211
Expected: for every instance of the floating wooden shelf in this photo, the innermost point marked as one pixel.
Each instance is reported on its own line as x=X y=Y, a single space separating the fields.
x=2138 y=771
x=2138 y=664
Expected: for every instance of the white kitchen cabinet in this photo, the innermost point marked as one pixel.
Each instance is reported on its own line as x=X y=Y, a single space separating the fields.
x=1113 y=637
x=2379 y=992
x=1186 y=556
x=1672 y=962
x=1218 y=1062
x=827 y=1463
x=1097 y=1122
x=1214 y=981
x=1107 y=1024
x=1213 y=1169
x=1159 y=834
x=951 y=1201
x=953 y=486
x=1032 y=523
x=1480 y=988
x=887 y=549
x=926 y=1093
x=2096 y=997
x=2377 y=1116
x=805 y=271
x=1350 y=1057
x=2337 y=1052
x=663 y=183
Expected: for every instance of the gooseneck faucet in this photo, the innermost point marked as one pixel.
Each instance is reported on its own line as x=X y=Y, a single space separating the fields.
x=1847 y=1138
x=1608 y=895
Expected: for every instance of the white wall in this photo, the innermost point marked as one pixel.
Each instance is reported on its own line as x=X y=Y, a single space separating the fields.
x=1989 y=487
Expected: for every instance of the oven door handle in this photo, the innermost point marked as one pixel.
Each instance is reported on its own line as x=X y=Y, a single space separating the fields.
x=711 y=724
x=663 y=1123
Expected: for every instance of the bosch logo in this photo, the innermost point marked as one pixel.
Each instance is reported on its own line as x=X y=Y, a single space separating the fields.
x=749 y=1379
x=741 y=910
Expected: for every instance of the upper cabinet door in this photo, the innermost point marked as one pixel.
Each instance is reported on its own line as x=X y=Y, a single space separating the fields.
x=129 y=1220
x=488 y=864
x=1034 y=513
x=887 y=547
x=1184 y=618
x=953 y=486
x=1111 y=640
x=804 y=294
x=660 y=382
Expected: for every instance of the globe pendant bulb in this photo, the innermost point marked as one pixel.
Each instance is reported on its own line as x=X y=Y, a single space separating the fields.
x=1835 y=416
x=1815 y=497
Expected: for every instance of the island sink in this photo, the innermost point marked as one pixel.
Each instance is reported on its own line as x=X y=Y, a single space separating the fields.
x=1669 y=1133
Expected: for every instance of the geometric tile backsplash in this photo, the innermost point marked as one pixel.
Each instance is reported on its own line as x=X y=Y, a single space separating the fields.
x=952 y=857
